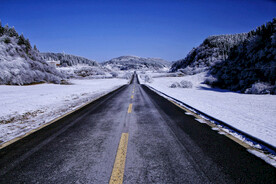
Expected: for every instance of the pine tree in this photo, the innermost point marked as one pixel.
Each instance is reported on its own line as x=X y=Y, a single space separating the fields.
x=1 y=29
x=28 y=45
x=35 y=48
x=7 y=40
x=6 y=29
x=21 y=40
x=12 y=32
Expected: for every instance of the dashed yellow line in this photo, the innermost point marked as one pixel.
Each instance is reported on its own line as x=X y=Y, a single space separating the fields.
x=131 y=97
x=117 y=175
x=129 y=108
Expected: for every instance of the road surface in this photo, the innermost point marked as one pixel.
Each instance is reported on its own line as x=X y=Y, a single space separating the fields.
x=131 y=136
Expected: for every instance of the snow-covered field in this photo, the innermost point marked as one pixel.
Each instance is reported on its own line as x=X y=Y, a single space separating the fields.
x=23 y=108
x=254 y=114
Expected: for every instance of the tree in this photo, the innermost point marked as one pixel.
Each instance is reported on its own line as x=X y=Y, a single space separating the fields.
x=28 y=45
x=12 y=32
x=1 y=29
x=7 y=40
x=35 y=48
x=6 y=29
x=26 y=42
x=21 y=40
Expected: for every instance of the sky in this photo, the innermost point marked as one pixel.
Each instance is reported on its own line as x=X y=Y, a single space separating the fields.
x=101 y=30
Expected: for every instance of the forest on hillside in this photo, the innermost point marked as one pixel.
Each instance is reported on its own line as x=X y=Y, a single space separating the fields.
x=214 y=49
x=243 y=62
x=251 y=65
x=67 y=59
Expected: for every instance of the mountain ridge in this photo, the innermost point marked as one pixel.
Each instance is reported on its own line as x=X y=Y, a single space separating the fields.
x=68 y=59
x=136 y=63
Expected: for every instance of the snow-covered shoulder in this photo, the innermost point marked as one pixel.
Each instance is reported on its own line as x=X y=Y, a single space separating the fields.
x=253 y=114
x=23 y=108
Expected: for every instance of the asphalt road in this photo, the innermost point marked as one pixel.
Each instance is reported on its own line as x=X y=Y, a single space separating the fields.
x=164 y=145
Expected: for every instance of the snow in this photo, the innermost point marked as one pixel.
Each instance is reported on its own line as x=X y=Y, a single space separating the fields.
x=253 y=114
x=270 y=160
x=23 y=108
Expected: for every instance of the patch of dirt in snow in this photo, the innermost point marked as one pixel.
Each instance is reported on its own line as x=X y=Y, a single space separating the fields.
x=20 y=117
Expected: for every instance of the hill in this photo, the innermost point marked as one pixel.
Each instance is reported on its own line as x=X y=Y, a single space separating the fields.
x=213 y=50
x=251 y=65
x=241 y=62
x=75 y=66
x=20 y=63
x=136 y=63
x=67 y=59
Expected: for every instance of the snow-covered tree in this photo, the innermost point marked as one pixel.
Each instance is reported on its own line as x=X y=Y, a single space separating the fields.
x=1 y=29
x=21 y=40
x=28 y=45
x=35 y=48
x=12 y=32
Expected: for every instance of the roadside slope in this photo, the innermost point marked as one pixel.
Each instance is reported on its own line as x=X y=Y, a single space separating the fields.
x=253 y=114
x=36 y=105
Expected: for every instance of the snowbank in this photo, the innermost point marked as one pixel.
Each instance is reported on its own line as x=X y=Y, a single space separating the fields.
x=23 y=108
x=254 y=114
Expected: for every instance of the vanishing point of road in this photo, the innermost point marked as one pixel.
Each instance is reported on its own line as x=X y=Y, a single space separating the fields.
x=131 y=136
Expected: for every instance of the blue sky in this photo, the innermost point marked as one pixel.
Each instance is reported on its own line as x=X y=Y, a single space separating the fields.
x=101 y=30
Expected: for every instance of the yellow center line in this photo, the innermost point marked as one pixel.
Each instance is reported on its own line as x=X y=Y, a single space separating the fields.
x=117 y=175
x=129 y=108
x=131 y=96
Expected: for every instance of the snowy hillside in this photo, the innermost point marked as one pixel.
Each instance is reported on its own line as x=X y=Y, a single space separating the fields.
x=213 y=50
x=136 y=63
x=67 y=59
x=76 y=67
x=20 y=63
x=253 y=114
x=251 y=66
x=24 y=108
x=242 y=62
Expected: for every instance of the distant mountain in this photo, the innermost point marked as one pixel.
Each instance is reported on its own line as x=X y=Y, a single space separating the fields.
x=214 y=49
x=20 y=63
x=136 y=63
x=67 y=59
x=251 y=65
x=76 y=67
